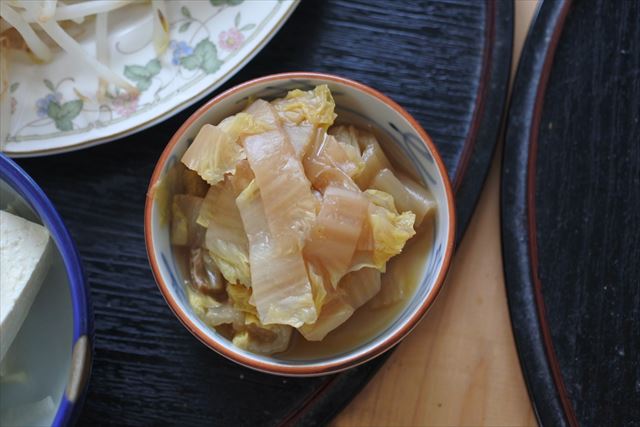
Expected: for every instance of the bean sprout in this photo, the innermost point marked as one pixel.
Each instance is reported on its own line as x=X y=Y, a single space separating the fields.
x=32 y=17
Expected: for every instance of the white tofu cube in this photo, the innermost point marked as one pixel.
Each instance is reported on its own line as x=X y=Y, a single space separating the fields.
x=24 y=262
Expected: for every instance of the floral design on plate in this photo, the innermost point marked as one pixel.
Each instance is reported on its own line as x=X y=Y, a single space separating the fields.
x=209 y=41
x=55 y=107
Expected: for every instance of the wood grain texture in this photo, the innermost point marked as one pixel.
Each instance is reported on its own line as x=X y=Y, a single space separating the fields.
x=460 y=366
x=148 y=370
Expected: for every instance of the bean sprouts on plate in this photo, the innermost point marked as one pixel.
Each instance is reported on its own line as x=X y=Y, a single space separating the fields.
x=41 y=25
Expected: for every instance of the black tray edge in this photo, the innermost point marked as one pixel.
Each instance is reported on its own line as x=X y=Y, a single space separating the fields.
x=528 y=318
x=490 y=113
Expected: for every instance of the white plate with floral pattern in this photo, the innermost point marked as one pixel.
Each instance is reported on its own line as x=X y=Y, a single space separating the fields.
x=55 y=108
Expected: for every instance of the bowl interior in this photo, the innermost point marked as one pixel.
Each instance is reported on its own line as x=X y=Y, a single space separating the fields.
x=38 y=362
x=401 y=142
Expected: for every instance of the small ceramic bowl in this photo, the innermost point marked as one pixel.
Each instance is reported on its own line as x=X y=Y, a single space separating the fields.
x=49 y=360
x=401 y=137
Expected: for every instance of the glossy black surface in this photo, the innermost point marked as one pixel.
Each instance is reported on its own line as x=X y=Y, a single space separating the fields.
x=148 y=369
x=586 y=166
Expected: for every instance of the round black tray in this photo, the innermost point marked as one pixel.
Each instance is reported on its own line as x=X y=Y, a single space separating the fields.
x=571 y=212
x=447 y=62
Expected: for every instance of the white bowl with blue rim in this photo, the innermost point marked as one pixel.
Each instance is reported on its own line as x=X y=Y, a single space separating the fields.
x=46 y=369
x=402 y=138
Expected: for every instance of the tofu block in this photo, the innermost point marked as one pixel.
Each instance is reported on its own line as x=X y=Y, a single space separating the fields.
x=24 y=261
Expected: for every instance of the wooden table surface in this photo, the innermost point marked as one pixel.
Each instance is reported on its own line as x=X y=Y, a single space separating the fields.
x=459 y=366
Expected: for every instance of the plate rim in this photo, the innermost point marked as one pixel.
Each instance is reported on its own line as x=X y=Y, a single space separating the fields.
x=290 y=8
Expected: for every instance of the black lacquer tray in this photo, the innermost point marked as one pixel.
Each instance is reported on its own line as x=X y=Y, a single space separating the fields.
x=571 y=212
x=447 y=62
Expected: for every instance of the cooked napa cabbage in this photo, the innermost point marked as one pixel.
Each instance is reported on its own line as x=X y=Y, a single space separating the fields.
x=212 y=154
x=360 y=286
x=226 y=238
x=213 y=312
x=373 y=157
x=381 y=198
x=243 y=176
x=335 y=234
x=346 y=134
x=280 y=284
x=366 y=242
x=219 y=207
x=262 y=339
x=184 y=228
x=240 y=298
x=314 y=106
x=285 y=191
x=407 y=194
x=300 y=136
x=328 y=164
x=290 y=222
x=343 y=156
x=200 y=302
x=164 y=190
x=232 y=259
x=334 y=305
x=237 y=311
x=243 y=124
x=389 y=230
x=204 y=273
x=347 y=137
x=354 y=165
x=392 y=287
x=263 y=112
x=224 y=314
x=318 y=286
x=335 y=312
x=423 y=199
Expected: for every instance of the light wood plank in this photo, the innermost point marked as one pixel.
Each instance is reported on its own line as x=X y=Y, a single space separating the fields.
x=459 y=366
